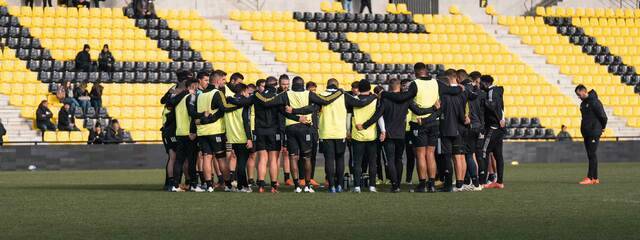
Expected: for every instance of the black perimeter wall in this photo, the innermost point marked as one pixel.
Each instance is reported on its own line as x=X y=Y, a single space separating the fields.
x=139 y=156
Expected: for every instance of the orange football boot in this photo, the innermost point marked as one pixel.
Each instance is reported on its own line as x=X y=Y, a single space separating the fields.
x=586 y=181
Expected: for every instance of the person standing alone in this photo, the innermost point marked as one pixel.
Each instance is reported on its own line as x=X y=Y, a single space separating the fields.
x=594 y=121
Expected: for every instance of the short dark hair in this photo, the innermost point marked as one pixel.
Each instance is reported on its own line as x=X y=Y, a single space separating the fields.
x=261 y=81
x=394 y=81
x=486 y=79
x=283 y=77
x=475 y=75
x=378 y=89
x=580 y=87
x=462 y=74
x=236 y=75
x=419 y=66
x=219 y=73
x=297 y=80
x=364 y=86
x=332 y=81
x=251 y=85
x=310 y=84
x=451 y=73
x=203 y=74
x=563 y=126
x=355 y=84
x=182 y=75
x=240 y=87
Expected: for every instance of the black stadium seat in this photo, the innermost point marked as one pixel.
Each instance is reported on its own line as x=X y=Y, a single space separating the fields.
x=117 y=77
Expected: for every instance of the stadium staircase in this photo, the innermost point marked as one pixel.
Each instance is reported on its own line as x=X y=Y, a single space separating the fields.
x=569 y=63
x=254 y=50
x=383 y=46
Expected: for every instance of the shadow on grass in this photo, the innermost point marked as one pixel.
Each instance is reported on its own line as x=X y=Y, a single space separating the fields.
x=98 y=187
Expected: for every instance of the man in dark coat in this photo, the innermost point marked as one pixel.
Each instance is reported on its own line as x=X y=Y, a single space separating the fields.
x=594 y=121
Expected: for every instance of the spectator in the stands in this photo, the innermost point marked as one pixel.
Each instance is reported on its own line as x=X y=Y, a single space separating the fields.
x=144 y=8
x=346 y=4
x=66 y=94
x=43 y=117
x=96 y=3
x=114 y=134
x=2 y=132
x=83 y=59
x=44 y=3
x=96 y=136
x=365 y=4
x=564 y=135
x=96 y=96
x=66 y=120
x=105 y=59
x=83 y=3
x=82 y=96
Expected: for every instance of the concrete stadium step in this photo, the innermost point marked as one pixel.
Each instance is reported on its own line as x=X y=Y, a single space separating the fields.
x=18 y=128
x=551 y=73
x=254 y=50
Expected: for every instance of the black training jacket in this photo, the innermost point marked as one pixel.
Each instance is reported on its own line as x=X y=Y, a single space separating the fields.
x=594 y=118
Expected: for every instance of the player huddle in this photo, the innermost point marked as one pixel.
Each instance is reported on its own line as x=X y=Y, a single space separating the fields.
x=451 y=125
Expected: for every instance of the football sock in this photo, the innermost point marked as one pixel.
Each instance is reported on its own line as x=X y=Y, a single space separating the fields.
x=296 y=183
x=459 y=183
x=200 y=176
x=220 y=179
x=232 y=175
x=475 y=181
x=287 y=176
x=274 y=184
x=209 y=183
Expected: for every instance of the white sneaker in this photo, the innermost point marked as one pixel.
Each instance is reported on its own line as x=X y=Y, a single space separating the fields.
x=477 y=189
x=372 y=189
x=309 y=190
x=176 y=189
x=210 y=189
x=467 y=188
x=234 y=184
x=196 y=189
x=455 y=189
x=297 y=190
x=227 y=189
x=356 y=190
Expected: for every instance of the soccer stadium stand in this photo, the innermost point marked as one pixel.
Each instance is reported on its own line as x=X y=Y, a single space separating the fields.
x=592 y=46
x=588 y=59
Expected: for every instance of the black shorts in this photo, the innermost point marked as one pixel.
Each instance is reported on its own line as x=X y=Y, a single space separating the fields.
x=425 y=135
x=211 y=144
x=170 y=143
x=452 y=145
x=271 y=142
x=470 y=138
x=299 y=139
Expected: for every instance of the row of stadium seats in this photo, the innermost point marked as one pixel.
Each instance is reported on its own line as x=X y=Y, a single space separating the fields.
x=592 y=47
x=588 y=12
x=295 y=34
x=231 y=61
x=571 y=55
x=83 y=136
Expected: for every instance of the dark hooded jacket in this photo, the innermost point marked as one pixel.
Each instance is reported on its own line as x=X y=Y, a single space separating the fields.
x=494 y=107
x=594 y=118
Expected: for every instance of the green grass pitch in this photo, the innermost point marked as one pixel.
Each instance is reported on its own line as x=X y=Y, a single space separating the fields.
x=540 y=201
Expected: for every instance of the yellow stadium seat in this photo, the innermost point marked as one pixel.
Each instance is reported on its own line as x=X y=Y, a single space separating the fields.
x=540 y=11
x=392 y=9
x=454 y=10
x=49 y=136
x=490 y=10
x=402 y=8
x=326 y=6
x=62 y=136
x=76 y=136
x=337 y=7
